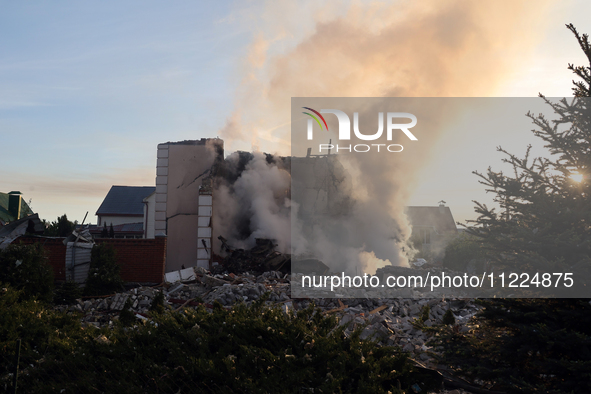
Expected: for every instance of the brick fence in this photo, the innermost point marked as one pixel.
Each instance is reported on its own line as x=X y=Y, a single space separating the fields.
x=141 y=260
x=56 y=253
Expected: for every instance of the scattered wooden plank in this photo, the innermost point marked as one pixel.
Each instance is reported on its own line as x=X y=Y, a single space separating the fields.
x=378 y=309
x=335 y=310
x=185 y=304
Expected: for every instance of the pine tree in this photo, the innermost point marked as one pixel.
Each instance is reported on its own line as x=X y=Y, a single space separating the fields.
x=111 y=231
x=538 y=345
x=105 y=232
x=62 y=227
x=545 y=217
x=104 y=274
x=67 y=293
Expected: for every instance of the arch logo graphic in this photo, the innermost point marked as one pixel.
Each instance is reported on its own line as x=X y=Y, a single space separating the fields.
x=344 y=131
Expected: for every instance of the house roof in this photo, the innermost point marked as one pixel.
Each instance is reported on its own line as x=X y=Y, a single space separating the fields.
x=33 y=224
x=5 y=216
x=439 y=218
x=125 y=200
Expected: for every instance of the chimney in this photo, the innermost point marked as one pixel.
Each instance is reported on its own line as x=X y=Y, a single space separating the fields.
x=442 y=207
x=14 y=204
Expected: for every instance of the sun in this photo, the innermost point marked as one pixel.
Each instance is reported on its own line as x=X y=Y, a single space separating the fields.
x=577 y=177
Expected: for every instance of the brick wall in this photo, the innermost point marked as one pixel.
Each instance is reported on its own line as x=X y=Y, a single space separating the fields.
x=56 y=253
x=141 y=260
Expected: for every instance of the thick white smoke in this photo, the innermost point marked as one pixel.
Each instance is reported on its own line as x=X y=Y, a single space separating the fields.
x=359 y=49
x=255 y=204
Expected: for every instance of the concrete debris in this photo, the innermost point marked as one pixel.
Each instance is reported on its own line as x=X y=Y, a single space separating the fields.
x=117 y=303
x=309 y=266
x=175 y=288
x=386 y=321
x=261 y=258
x=184 y=275
x=419 y=262
x=213 y=281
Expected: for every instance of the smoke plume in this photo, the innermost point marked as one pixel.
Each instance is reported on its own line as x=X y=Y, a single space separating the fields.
x=359 y=49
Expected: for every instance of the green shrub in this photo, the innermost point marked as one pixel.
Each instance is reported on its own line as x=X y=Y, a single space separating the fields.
x=157 y=305
x=67 y=293
x=25 y=268
x=424 y=314
x=127 y=317
x=43 y=333
x=531 y=345
x=448 y=318
x=250 y=349
x=461 y=250
x=103 y=276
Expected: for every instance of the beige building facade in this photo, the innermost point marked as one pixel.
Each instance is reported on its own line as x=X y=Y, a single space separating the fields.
x=183 y=210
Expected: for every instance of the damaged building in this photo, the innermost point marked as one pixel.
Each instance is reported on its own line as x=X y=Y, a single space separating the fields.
x=184 y=202
x=432 y=228
x=202 y=198
x=179 y=206
x=250 y=201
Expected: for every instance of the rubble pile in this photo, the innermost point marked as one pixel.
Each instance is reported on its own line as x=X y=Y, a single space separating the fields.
x=397 y=322
x=387 y=321
x=261 y=258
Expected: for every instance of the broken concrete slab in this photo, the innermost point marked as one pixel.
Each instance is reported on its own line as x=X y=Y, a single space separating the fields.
x=183 y=275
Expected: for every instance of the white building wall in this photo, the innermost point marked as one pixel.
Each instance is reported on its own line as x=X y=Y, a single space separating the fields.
x=161 y=189
x=150 y=215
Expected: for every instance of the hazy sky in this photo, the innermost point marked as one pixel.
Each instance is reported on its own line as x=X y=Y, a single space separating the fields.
x=88 y=90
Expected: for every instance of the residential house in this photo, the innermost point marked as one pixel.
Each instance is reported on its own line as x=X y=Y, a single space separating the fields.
x=16 y=218
x=13 y=207
x=130 y=209
x=180 y=206
x=432 y=228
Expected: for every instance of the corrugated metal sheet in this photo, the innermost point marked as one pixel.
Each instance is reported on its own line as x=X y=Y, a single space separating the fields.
x=78 y=261
x=12 y=231
x=10 y=237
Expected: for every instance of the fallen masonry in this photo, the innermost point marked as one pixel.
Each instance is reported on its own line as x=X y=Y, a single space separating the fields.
x=387 y=321
x=262 y=257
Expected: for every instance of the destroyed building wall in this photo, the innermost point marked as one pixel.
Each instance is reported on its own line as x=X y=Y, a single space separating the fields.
x=336 y=223
x=181 y=167
x=251 y=200
x=320 y=185
x=432 y=229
